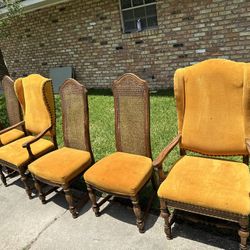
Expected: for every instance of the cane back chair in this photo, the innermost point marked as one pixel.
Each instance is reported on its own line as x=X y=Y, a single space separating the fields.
x=35 y=95
x=13 y=112
x=63 y=166
x=212 y=99
x=125 y=172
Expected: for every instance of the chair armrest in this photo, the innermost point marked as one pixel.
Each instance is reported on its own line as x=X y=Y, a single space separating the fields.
x=36 y=138
x=11 y=127
x=164 y=153
x=157 y=163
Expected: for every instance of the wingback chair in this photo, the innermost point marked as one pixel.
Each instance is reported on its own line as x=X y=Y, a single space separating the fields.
x=35 y=95
x=62 y=167
x=213 y=107
x=125 y=172
x=13 y=112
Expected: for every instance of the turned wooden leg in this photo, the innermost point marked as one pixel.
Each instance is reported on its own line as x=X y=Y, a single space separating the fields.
x=3 y=177
x=39 y=190
x=138 y=214
x=243 y=233
x=165 y=214
x=25 y=183
x=69 y=198
x=92 y=197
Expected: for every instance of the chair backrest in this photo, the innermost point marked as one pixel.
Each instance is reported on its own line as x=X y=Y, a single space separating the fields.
x=35 y=94
x=132 y=115
x=12 y=104
x=75 y=115
x=213 y=106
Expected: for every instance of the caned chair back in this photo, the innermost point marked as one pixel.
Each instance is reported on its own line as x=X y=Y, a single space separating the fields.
x=12 y=104
x=35 y=94
x=75 y=115
x=213 y=106
x=132 y=117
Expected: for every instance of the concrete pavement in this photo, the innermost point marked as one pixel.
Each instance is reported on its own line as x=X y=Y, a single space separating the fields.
x=27 y=224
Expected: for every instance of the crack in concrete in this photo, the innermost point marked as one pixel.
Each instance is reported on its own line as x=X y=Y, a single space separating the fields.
x=29 y=245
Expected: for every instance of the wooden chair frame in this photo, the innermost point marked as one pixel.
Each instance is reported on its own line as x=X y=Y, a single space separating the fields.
x=22 y=170
x=140 y=218
x=73 y=207
x=164 y=203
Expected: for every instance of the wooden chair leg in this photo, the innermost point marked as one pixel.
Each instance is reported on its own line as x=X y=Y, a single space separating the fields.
x=138 y=214
x=26 y=185
x=243 y=233
x=92 y=197
x=39 y=190
x=3 y=177
x=165 y=214
x=69 y=198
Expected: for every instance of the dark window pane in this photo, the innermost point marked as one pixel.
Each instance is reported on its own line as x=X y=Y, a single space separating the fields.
x=152 y=21
x=139 y=12
x=151 y=10
x=137 y=2
x=125 y=4
x=129 y=26
x=143 y=23
x=128 y=15
x=149 y=1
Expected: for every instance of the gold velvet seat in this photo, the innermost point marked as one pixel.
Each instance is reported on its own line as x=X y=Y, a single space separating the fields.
x=15 y=154
x=212 y=99
x=35 y=95
x=125 y=172
x=13 y=112
x=222 y=185
x=63 y=166
x=132 y=171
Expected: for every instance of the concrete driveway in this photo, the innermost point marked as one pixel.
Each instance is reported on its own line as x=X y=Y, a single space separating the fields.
x=27 y=224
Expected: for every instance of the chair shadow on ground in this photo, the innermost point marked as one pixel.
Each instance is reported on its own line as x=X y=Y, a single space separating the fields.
x=207 y=234
x=121 y=210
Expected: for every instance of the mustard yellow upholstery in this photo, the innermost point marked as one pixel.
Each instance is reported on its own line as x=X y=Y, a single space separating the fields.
x=15 y=154
x=35 y=95
x=10 y=136
x=61 y=166
x=210 y=183
x=212 y=100
x=120 y=173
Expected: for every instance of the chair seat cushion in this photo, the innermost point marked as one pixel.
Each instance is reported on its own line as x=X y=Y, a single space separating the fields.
x=120 y=173
x=61 y=166
x=11 y=135
x=15 y=154
x=210 y=183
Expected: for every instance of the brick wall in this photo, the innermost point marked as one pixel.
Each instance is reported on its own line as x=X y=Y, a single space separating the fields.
x=86 y=34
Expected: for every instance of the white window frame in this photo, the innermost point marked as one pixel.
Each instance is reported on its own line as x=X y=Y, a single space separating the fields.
x=132 y=8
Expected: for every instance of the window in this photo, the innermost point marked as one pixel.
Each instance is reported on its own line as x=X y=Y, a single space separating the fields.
x=138 y=15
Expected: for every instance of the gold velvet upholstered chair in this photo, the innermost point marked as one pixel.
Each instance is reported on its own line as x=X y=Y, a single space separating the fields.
x=13 y=112
x=213 y=107
x=125 y=172
x=35 y=95
x=63 y=166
